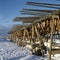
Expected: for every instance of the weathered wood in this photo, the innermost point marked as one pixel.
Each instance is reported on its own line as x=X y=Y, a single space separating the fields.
x=52 y=30
x=38 y=10
x=23 y=19
x=44 y=5
x=40 y=40
x=55 y=51
x=39 y=26
x=23 y=39
x=33 y=33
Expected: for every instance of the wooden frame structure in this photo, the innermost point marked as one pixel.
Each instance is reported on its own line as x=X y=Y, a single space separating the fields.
x=39 y=27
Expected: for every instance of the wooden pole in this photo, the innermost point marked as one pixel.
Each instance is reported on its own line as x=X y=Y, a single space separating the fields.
x=52 y=30
x=23 y=39
x=32 y=36
x=40 y=40
x=58 y=24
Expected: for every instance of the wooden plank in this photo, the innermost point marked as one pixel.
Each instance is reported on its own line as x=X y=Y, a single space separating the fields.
x=23 y=39
x=34 y=13
x=26 y=18
x=55 y=51
x=43 y=3
x=38 y=10
x=51 y=42
x=46 y=6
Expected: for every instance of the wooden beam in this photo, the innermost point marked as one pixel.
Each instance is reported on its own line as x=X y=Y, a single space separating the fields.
x=51 y=42
x=38 y=10
x=40 y=40
x=35 y=14
x=46 y=6
x=24 y=19
x=43 y=3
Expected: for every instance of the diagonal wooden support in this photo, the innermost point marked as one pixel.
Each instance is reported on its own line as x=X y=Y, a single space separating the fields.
x=52 y=30
x=40 y=40
x=32 y=34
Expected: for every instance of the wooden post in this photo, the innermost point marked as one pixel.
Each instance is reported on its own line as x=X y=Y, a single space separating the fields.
x=32 y=36
x=11 y=36
x=23 y=39
x=40 y=40
x=16 y=37
x=32 y=33
x=27 y=33
x=52 y=30
x=58 y=24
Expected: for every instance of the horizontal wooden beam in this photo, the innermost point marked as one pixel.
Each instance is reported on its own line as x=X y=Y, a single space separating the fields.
x=32 y=12
x=26 y=12
x=38 y=10
x=46 y=6
x=43 y=3
x=38 y=14
x=26 y=18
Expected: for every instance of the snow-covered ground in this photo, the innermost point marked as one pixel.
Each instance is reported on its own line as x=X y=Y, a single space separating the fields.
x=10 y=51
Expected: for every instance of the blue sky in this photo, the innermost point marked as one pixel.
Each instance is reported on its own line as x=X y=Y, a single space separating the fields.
x=9 y=9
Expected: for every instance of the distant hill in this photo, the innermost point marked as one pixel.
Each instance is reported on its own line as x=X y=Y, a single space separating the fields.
x=4 y=30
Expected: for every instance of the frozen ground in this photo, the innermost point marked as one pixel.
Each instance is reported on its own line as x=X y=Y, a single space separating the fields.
x=10 y=51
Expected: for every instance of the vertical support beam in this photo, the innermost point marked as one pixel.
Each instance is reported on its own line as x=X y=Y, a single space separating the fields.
x=52 y=30
x=21 y=34
x=17 y=39
x=32 y=30
x=32 y=36
x=58 y=24
x=27 y=33
x=32 y=33
x=40 y=40
x=14 y=37
x=11 y=36
x=23 y=39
